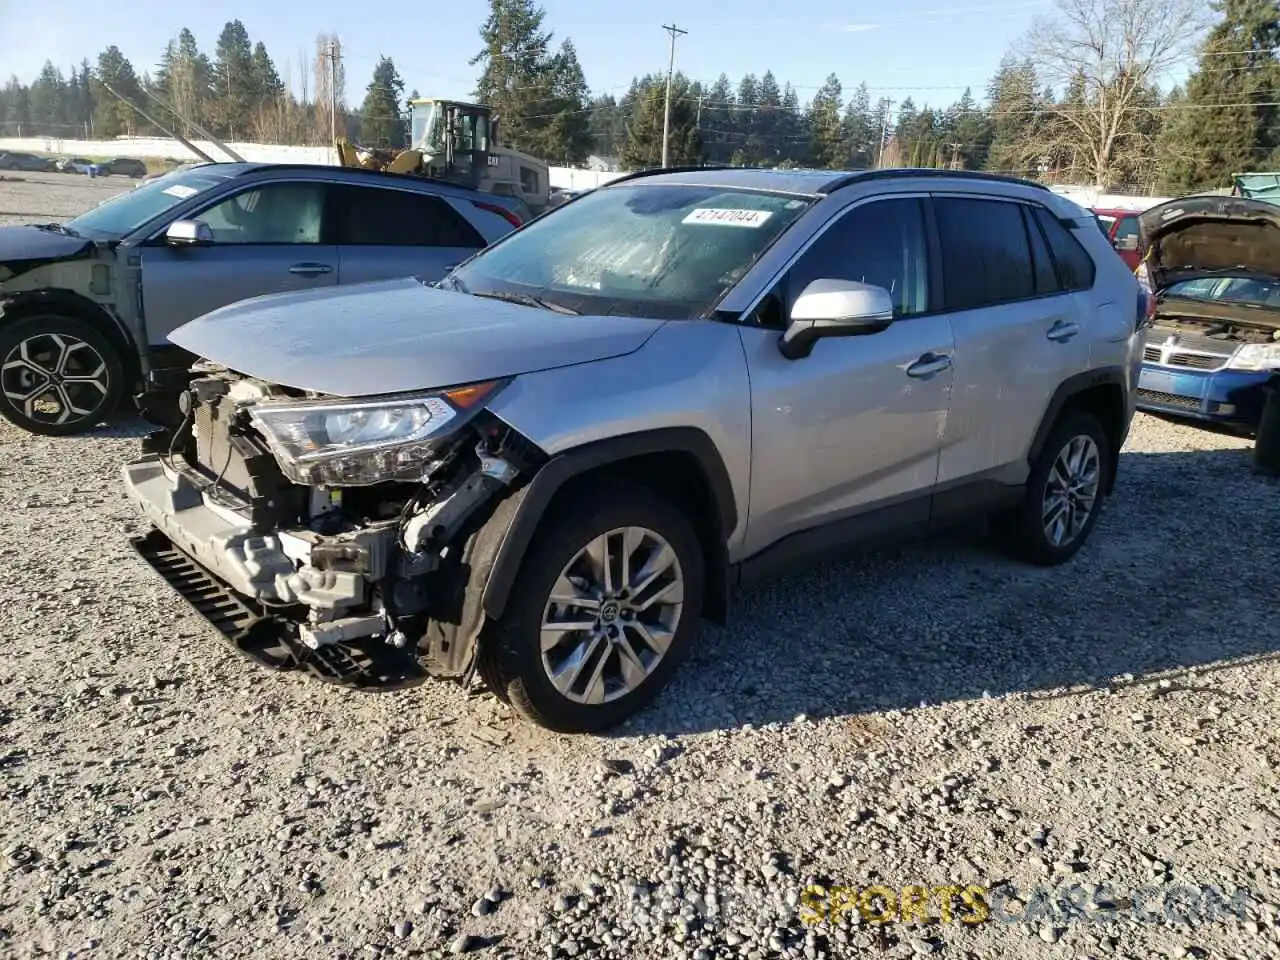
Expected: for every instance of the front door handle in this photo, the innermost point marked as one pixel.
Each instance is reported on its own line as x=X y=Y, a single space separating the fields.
x=1062 y=331
x=928 y=365
x=310 y=269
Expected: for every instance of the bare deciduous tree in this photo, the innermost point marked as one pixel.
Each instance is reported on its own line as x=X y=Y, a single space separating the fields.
x=1108 y=56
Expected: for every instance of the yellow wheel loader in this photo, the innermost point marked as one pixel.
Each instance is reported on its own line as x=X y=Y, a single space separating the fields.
x=458 y=142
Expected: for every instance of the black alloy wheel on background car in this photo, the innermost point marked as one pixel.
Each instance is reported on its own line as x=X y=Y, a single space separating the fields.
x=58 y=375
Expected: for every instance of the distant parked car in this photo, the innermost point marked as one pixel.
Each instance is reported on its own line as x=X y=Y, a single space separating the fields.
x=14 y=160
x=1214 y=266
x=77 y=165
x=86 y=307
x=1121 y=228
x=124 y=167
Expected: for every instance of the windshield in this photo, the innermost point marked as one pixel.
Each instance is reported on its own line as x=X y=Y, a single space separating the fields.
x=125 y=213
x=664 y=251
x=1262 y=293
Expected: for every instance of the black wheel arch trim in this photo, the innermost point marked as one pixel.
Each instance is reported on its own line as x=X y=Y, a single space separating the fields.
x=564 y=467
x=77 y=307
x=1073 y=386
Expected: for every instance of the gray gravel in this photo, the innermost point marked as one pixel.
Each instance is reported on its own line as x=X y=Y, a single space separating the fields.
x=928 y=714
x=40 y=197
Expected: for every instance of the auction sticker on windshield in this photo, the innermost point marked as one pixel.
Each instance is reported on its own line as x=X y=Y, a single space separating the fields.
x=728 y=217
x=181 y=191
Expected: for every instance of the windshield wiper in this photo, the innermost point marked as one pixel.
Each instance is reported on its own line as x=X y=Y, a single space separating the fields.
x=530 y=301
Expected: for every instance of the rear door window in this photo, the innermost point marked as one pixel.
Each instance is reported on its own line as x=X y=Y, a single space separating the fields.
x=400 y=218
x=986 y=254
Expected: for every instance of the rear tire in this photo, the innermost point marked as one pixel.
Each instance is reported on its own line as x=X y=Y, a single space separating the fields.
x=58 y=375
x=638 y=621
x=1064 y=494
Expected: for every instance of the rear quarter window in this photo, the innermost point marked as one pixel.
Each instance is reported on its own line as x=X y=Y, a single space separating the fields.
x=1074 y=266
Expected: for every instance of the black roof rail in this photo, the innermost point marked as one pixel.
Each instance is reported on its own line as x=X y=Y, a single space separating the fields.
x=252 y=166
x=656 y=171
x=897 y=172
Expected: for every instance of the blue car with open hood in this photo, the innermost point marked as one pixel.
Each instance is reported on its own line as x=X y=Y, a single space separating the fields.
x=1213 y=264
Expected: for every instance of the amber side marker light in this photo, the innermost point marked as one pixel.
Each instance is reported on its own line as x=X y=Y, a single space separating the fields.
x=464 y=398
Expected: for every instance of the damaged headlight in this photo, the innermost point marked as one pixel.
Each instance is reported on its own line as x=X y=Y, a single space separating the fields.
x=1256 y=356
x=359 y=442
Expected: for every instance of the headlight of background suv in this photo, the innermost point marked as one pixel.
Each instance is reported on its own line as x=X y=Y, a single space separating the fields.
x=359 y=442
x=1256 y=356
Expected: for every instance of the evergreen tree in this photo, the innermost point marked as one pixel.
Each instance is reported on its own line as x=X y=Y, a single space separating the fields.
x=1015 y=104
x=567 y=134
x=860 y=132
x=643 y=149
x=185 y=77
x=767 y=145
x=969 y=127
x=381 y=122
x=746 y=150
x=1202 y=146
x=112 y=118
x=794 y=132
x=233 y=81
x=826 y=141
x=516 y=76
x=267 y=84
x=48 y=96
x=718 y=120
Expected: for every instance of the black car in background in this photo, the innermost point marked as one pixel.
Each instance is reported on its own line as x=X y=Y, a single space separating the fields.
x=124 y=167
x=14 y=160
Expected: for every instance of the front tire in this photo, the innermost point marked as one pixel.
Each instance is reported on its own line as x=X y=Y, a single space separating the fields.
x=58 y=375
x=602 y=612
x=1064 y=494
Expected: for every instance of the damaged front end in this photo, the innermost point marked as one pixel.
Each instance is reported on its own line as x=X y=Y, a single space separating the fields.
x=349 y=538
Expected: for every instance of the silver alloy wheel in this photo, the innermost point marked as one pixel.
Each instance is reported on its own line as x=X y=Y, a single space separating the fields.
x=1071 y=490
x=612 y=614
x=51 y=376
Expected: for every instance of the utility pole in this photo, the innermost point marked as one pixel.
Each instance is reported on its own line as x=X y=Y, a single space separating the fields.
x=332 y=53
x=955 y=155
x=698 y=123
x=884 y=131
x=666 y=112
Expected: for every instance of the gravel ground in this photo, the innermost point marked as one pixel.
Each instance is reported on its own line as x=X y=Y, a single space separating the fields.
x=40 y=197
x=930 y=715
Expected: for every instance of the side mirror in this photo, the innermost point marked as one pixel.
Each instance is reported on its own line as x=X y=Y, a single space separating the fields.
x=188 y=233
x=834 y=308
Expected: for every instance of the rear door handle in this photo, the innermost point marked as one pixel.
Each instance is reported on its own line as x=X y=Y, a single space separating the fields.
x=1062 y=331
x=310 y=269
x=928 y=365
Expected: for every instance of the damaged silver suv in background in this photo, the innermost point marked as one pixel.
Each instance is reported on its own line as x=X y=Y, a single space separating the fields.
x=548 y=468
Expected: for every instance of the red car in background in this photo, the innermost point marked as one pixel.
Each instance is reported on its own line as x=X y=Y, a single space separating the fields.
x=1121 y=228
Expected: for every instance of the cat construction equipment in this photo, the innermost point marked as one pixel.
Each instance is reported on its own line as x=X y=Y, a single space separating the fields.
x=458 y=142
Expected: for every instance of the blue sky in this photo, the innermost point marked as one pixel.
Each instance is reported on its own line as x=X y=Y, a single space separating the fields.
x=927 y=49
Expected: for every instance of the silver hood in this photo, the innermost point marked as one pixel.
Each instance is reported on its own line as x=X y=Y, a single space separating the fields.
x=395 y=336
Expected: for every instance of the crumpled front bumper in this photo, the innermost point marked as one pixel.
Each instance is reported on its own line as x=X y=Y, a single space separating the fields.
x=273 y=568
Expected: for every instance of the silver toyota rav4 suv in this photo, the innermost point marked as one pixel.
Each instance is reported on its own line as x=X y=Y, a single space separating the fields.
x=546 y=469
